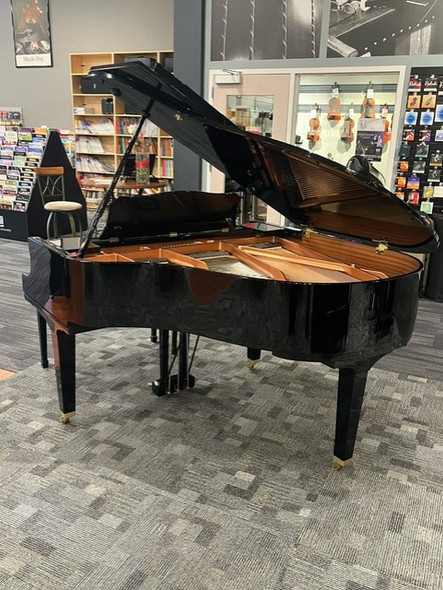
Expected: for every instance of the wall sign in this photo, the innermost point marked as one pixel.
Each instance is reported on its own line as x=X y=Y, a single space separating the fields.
x=32 y=37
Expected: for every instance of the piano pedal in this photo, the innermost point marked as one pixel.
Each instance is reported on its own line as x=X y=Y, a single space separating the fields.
x=172 y=385
x=66 y=418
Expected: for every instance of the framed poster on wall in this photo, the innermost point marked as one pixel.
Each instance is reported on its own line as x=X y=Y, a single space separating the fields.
x=252 y=30
x=392 y=27
x=32 y=36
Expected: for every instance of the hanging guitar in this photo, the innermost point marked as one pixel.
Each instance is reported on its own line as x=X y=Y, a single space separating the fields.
x=368 y=104
x=334 y=104
x=313 y=134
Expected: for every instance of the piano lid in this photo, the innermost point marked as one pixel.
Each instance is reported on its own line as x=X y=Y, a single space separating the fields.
x=307 y=189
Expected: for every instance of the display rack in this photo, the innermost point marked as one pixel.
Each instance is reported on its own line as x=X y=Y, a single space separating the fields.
x=419 y=179
x=341 y=114
x=103 y=124
x=22 y=149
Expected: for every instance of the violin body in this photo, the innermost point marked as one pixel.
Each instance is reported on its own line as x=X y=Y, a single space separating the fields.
x=314 y=126
x=346 y=132
x=367 y=110
x=334 y=109
x=387 y=132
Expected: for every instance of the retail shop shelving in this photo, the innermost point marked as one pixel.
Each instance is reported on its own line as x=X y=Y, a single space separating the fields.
x=103 y=124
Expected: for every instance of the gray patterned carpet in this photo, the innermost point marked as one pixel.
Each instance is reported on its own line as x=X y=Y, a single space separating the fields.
x=227 y=486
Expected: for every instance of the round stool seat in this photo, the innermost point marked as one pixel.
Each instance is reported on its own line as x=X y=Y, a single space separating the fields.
x=62 y=206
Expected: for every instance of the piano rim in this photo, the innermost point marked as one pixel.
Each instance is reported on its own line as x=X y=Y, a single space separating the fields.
x=312 y=251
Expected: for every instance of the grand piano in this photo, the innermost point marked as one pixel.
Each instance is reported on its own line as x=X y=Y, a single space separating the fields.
x=334 y=285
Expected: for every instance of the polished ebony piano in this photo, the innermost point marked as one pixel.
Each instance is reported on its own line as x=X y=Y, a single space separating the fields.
x=332 y=286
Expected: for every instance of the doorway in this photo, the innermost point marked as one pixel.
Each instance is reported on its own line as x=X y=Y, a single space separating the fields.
x=259 y=103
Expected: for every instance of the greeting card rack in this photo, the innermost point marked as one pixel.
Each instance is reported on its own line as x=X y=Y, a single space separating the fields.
x=21 y=208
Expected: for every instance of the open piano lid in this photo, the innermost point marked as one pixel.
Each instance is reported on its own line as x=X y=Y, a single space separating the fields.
x=307 y=189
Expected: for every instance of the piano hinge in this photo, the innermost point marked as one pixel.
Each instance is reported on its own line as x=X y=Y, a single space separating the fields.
x=382 y=246
x=307 y=231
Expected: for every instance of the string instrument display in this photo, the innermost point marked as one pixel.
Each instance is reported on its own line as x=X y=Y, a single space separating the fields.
x=368 y=104
x=334 y=105
x=313 y=134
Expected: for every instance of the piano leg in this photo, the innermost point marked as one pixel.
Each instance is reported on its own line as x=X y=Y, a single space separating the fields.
x=160 y=386
x=154 y=337
x=168 y=383
x=43 y=340
x=254 y=355
x=185 y=379
x=64 y=359
x=351 y=389
x=174 y=342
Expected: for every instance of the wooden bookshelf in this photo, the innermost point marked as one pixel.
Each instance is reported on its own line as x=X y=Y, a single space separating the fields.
x=100 y=136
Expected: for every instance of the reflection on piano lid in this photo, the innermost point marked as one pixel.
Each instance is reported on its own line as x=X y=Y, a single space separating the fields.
x=307 y=189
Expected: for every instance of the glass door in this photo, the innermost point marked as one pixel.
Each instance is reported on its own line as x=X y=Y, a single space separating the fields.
x=259 y=104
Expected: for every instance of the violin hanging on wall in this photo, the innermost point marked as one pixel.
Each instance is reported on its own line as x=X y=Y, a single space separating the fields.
x=346 y=132
x=334 y=104
x=388 y=126
x=313 y=134
x=368 y=104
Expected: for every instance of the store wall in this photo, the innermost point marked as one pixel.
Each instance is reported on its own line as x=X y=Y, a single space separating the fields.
x=303 y=35
x=78 y=27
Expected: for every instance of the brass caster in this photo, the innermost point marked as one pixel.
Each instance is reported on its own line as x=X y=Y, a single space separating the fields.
x=338 y=464
x=251 y=364
x=65 y=418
